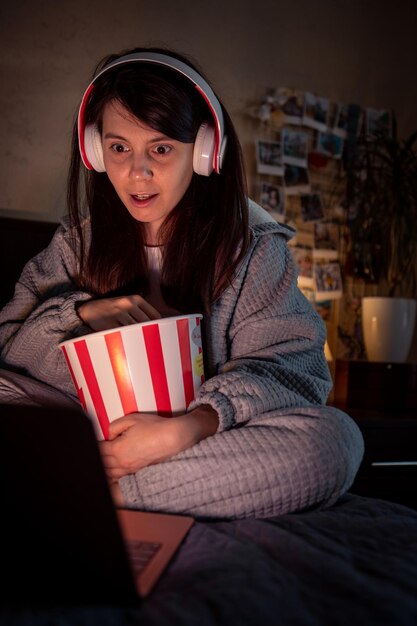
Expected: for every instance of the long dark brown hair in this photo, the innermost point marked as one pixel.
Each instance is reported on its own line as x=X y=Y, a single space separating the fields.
x=205 y=236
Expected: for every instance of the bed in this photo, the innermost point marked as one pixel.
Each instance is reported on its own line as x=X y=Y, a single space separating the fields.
x=355 y=563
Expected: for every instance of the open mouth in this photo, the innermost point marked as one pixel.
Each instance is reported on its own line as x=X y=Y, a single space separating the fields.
x=142 y=199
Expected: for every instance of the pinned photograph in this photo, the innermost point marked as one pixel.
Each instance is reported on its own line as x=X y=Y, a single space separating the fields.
x=303 y=238
x=316 y=111
x=324 y=309
x=308 y=293
x=311 y=206
x=269 y=157
x=341 y=123
x=291 y=103
x=296 y=179
x=329 y=144
x=326 y=240
x=328 y=280
x=294 y=147
x=304 y=260
x=378 y=122
x=272 y=200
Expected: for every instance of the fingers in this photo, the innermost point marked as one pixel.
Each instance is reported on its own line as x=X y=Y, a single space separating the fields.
x=120 y=425
x=109 y=313
x=127 y=310
x=145 y=307
x=110 y=462
x=112 y=458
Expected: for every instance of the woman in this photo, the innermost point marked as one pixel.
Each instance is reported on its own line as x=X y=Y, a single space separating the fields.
x=159 y=224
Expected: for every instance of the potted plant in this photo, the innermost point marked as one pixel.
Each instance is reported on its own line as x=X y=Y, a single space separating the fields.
x=382 y=200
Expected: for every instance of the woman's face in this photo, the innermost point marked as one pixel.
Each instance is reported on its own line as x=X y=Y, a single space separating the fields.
x=149 y=171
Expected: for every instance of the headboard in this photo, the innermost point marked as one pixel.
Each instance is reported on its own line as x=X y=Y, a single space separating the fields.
x=20 y=240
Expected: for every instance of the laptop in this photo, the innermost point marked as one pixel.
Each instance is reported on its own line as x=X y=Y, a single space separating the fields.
x=63 y=542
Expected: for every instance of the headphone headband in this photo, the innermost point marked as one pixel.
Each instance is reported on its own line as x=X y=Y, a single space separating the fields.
x=165 y=60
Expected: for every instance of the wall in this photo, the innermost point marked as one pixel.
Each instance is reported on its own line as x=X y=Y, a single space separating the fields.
x=347 y=50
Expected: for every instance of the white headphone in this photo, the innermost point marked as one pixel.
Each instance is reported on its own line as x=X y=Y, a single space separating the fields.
x=210 y=142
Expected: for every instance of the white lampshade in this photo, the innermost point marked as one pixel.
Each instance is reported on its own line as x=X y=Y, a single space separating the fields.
x=327 y=352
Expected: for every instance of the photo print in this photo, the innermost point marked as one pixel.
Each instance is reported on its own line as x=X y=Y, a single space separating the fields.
x=329 y=144
x=303 y=258
x=378 y=122
x=272 y=200
x=326 y=240
x=341 y=123
x=311 y=206
x=303 y=238
x=308 y=293
x=296 y=179
x=291 y=104
x=327 y=280
x=324 y=309
x=316 y=111
x=269 y=157
x=294 y=147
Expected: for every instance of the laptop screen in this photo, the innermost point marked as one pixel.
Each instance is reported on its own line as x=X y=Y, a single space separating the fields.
x=61 y=542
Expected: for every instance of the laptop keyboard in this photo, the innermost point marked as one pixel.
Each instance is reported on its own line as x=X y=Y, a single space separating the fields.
x=140 y=553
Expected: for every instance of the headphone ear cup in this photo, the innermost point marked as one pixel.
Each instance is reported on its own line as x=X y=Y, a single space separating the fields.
x=93 y=147
x=204 y=150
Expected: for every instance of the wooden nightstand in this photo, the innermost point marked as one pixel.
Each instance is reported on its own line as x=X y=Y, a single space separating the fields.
x=382 y=399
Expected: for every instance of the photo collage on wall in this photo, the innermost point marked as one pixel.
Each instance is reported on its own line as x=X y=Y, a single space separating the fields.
x=299 y=130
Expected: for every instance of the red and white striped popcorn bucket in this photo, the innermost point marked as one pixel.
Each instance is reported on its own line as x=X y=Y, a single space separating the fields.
x=150 y=367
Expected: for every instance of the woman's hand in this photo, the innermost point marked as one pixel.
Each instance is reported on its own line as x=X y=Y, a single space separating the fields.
x=106 y=313
x=142 y=439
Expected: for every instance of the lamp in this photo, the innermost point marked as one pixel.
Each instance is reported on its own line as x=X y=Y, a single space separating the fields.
x=327 y=352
